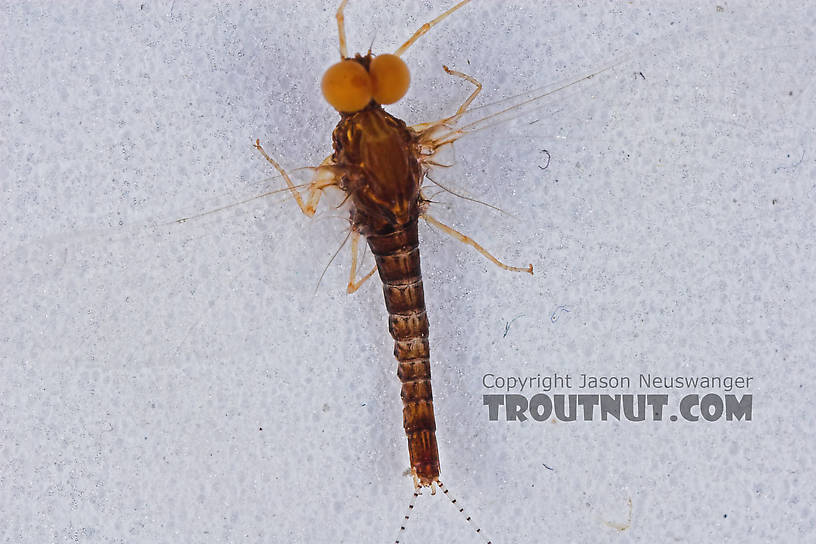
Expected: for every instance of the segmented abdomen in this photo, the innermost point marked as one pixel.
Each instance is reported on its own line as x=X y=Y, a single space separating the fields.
x=397 y=256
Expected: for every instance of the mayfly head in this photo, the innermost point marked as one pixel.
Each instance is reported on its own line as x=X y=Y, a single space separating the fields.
x=351 y=84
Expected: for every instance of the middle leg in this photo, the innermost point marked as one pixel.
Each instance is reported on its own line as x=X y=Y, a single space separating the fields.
x=463 y=108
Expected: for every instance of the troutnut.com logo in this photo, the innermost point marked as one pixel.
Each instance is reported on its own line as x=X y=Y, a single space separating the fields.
x=687 y=398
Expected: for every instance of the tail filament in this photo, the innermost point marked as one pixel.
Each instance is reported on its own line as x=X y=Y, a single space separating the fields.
x=455 y=502
x=407 y=516
x=461 y=509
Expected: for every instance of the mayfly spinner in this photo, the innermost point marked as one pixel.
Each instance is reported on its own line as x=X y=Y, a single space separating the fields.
x=379 y=163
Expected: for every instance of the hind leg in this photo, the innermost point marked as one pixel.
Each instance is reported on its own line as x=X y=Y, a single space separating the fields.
x=353 y=285
x=473 y=243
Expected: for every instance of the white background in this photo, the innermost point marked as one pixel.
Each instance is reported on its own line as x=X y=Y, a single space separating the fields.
x=140 y=360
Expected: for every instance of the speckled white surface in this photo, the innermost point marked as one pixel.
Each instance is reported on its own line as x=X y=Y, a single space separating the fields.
x=185 y=383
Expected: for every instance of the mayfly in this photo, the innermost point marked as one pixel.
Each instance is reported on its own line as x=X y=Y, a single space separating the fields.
x=380 y=163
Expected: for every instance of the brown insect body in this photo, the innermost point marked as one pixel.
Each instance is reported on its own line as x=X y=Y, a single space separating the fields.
x=380 y=163
x=382 y=175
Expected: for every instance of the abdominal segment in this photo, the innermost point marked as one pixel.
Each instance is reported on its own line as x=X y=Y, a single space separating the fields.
x=397 y=256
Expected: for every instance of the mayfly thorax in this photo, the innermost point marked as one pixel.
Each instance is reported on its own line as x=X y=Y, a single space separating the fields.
x=380 y=163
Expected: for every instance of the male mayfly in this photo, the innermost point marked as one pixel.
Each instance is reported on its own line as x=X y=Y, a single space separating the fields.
x=379 y=163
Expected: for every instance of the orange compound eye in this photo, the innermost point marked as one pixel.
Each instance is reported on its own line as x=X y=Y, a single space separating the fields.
x=347 y=86
x=390 y=78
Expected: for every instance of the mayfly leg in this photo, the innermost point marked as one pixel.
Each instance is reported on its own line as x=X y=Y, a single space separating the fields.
x=433 y=145
x=473 y=243
x=463 y=108
x=421 y=127
x=352 y=284
x=315 y=188
x=341 y=29
x=426 y=129
x=426 y=27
